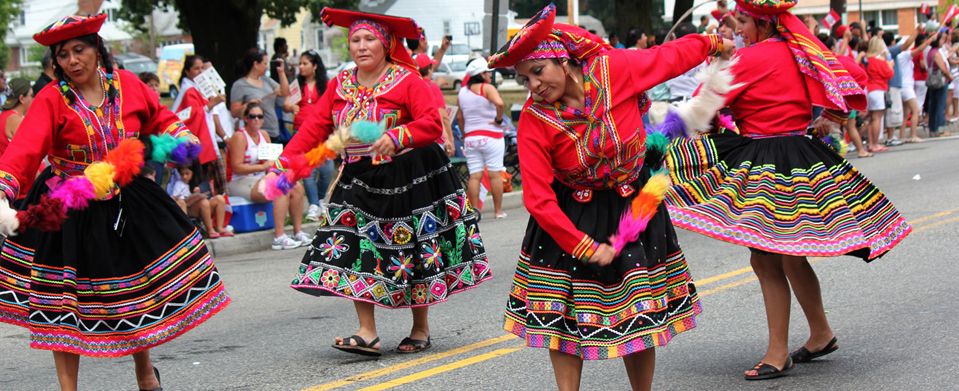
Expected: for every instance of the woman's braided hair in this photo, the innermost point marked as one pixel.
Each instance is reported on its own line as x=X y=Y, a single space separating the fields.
x=105 y=58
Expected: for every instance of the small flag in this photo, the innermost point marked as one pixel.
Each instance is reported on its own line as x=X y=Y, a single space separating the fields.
x=950 y=14
x=925 y=9
x=830 y=19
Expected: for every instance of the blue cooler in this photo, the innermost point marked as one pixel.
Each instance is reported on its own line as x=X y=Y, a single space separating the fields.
x=249 y=217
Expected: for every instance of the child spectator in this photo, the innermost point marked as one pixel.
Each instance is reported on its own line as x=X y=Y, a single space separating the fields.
x=198 y=204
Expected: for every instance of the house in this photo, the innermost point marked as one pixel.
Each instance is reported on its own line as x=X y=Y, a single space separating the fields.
x=38 y=14
x=465 y=20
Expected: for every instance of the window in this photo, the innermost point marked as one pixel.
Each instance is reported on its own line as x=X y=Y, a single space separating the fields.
x=922 y=18
x=21 y=19
x=320 y=42
x=890 y=18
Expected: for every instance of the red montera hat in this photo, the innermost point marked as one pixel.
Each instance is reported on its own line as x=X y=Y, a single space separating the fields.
x=389 y=29
x=526 y=40
x=762 y=8
x=70 y=27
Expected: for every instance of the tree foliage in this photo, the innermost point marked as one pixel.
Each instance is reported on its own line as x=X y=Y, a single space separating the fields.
x=617 y=16
x=9 y=9
x=223 y=30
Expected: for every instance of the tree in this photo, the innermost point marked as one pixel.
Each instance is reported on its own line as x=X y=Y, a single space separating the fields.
x=9 y=9
x=223 y=30
x=616 y=15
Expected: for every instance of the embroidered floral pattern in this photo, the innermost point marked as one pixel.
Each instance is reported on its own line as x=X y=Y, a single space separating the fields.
x=334 y=247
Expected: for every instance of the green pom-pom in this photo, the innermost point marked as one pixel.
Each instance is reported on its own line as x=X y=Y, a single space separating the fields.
x=162 y=146
x=656 y=142
x=367 y=132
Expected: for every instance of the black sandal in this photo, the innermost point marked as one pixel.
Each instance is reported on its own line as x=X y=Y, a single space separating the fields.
x=803 y=355
x=418 y=345
x=156 y=372
x=766 y=371
x=361 y=347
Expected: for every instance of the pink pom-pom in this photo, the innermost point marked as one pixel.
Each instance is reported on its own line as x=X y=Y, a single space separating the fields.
x=75 y=193
x=298 y=166
x=269 y=187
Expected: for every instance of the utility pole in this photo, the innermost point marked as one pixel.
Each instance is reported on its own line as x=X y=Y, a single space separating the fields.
x=494 y=33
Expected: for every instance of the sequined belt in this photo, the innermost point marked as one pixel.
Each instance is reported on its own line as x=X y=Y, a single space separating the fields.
x=783 y=134
x=355 y=152
x=65 y=168
x=586 y=195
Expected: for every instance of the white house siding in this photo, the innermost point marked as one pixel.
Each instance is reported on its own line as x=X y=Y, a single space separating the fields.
x=440 y=17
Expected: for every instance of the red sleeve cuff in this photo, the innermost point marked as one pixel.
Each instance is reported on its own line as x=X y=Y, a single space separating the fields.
x=715 y=44
x=401 y=136
x=9 y=185
x=836 y=116
x=585 y=249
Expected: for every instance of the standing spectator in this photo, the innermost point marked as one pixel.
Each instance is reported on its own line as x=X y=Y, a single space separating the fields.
x=4 y=89
x=21 y=96
x=425 y=66
x=222 y=120
x=480 y=115
x=682 y=87
x=313 y=82
x=939 y=77
x=703 y=23
x=255 y=87
x=880 y=72
x=919 y=74
x=46 y=74
x=278 y=65
x=614 y=41
x=910 y=101
x=952 y=59
x=194 y=108
x=894 y=113
x=249 y=169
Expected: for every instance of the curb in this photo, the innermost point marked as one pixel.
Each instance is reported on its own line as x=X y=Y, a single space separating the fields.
x=251 y=242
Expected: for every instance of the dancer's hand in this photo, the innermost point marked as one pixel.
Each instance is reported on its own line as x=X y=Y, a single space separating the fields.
x=729 y=46
x=822 y=127
x=603 y=256
x=384 y=146
x=8 y=218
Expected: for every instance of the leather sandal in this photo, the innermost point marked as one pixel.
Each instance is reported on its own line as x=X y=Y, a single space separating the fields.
x=767 y=371
x=360 y=347
x=803 y=355
x=418 y=345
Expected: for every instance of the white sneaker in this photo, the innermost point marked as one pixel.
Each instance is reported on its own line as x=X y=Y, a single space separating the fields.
x=313 y=213
x=303 y=238
x=285 y=243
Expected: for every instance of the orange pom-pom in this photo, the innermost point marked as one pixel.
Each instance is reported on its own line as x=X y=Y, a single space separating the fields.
x=127 y=160
x=319 y=155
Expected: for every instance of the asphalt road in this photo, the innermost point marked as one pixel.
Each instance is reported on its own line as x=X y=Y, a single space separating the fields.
x=895 y=318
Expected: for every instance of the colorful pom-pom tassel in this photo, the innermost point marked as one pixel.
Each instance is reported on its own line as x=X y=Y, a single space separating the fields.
x=100 y=174
x=641 y=210
x=127 y=160
x=367 y=132
x=75 y=193
x=47 y=215
x=268 y=186
x=163 y=145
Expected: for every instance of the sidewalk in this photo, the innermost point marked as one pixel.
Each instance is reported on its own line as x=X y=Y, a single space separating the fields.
x=261 y=240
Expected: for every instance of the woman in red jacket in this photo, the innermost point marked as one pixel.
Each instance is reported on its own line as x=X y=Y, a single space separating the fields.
x=582 y=144
x=130 y=271
x=879 y=70
x=772 y=189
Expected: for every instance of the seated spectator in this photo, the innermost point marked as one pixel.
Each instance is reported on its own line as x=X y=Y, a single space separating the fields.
x=151 y=80
x=198 y=204
x=248 y=171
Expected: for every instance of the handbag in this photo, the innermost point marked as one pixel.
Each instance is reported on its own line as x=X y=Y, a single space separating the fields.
x=935 y=79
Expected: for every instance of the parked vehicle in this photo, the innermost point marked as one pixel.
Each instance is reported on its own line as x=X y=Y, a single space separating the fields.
x=332 y=72
x=136 y=63
x=170 y=66
x=458 y=52
x=450 y=75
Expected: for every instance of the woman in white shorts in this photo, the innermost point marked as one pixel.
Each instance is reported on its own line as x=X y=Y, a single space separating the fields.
x=480 y=116
x=248 y=170
x=879 y=71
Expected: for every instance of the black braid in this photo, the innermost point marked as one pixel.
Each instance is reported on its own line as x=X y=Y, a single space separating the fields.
x=107 y=62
